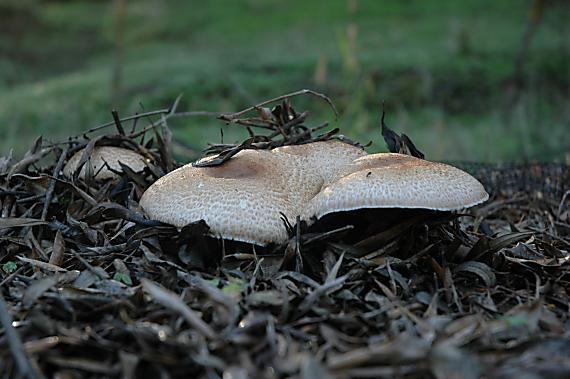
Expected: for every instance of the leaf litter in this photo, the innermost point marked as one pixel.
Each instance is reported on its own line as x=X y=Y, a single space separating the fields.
x=90 y=288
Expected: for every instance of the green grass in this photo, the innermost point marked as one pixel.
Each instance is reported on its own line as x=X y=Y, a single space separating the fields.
x=440 y=66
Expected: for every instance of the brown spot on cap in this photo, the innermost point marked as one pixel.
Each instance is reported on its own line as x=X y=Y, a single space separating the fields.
x=234 y=169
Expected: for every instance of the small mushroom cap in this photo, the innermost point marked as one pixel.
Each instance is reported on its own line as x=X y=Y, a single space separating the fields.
x=112 y=155
x=389 y=180
x=241 y=199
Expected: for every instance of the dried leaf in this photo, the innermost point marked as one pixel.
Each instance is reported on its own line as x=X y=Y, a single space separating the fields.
x=42 y=265
x=486 y=245
x=449 y=362
x=484 y=272
x=58 y=250
x=37 y=289
x=173 y=302
x=15 y=222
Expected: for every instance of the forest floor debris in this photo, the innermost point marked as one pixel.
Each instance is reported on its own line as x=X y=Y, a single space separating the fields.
x=90 y=288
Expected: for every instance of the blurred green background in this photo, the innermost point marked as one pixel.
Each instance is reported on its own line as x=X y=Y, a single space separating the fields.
x=480 y=80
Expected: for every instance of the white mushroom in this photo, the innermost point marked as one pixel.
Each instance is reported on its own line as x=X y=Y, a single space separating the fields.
x=389 y=180
x=244 y=198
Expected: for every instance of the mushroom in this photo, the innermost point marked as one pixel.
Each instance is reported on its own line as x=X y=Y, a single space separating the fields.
x=111 y=155
x=391 y=180
x=241 y=200
x=245 y=198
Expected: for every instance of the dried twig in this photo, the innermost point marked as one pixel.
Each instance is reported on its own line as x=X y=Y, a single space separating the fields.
x=233 y=116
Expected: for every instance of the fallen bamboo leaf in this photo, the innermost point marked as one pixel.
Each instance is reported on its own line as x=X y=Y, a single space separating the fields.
x=42 y=265
x=37 y=289
x=14 y=222
x=56 y=257
x=173 y=302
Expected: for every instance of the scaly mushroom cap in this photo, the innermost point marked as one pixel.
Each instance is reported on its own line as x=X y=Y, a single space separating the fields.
x=101 y=154
x=389 y=180
x=241 y=199
x=326 y=158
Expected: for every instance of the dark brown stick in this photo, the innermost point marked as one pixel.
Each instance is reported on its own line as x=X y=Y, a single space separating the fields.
x=52 y=181
x=117 y=121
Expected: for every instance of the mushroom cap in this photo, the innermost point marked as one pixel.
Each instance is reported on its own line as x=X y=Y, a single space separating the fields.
x=390 y=180
x=325 y=157
x=112 y=155
x=241 y=199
